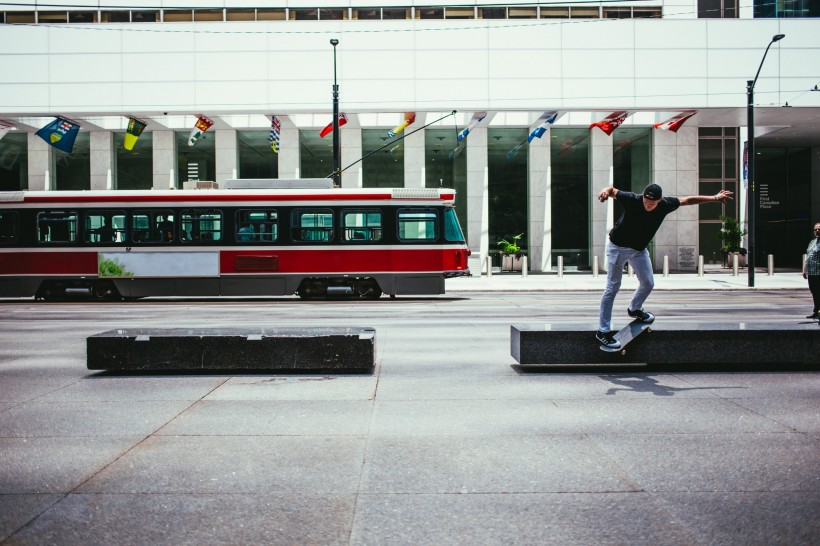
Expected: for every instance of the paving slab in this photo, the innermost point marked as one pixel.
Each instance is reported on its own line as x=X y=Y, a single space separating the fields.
x=302 y=387
x=17 y=510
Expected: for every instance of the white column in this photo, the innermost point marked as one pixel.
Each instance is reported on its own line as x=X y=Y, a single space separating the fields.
x=227 y=156
x=101 y=144
x=40 y=164
x=165 y=160
x=414 y=157
x=540 y=205
x=478 y=223
x=675 y=161
x=351 y=151
x=289 y=166
x=601 y=176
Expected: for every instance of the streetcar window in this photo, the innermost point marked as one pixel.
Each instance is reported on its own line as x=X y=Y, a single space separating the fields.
x=257 y=225
x=362 y=225
x=57 y=227
x=8 y=227
x=417 y=225
x=312 y=225
x=152 y=226
x=201 y=226
x=104 y=227
x=452 y=230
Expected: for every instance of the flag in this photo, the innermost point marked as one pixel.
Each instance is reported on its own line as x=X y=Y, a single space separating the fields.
x=133 y=132
x=477 y=117
x=409 y=118
x=329 y=129
x=549 y=118
x=611 y=122
x=674 y=123
x=275 y=130
x=514 y=150
x=60 y=133
x=202 y=125
x=4 y=128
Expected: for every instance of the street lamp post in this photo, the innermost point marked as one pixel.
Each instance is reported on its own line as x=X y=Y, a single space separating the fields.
x=751 y=191
x=336 y=152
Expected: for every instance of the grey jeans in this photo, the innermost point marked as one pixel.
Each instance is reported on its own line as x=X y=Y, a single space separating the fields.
x=617 y=257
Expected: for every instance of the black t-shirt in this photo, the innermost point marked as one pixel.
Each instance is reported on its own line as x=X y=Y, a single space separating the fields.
x=636 y=226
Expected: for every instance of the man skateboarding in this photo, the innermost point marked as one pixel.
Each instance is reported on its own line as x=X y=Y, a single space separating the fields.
x=643 y=215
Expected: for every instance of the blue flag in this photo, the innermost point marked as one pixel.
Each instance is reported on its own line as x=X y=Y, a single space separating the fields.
x=60 y=133
x=548 y=119
x=477 y=117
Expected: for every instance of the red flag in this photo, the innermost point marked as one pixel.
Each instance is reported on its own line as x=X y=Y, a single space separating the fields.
x=329 y=129
x=674 y=123
x=611 y=122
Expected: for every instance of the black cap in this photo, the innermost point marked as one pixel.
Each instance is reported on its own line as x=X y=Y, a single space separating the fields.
x=653 y=192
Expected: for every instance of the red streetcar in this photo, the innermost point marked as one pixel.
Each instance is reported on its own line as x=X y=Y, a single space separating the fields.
x=248 y=242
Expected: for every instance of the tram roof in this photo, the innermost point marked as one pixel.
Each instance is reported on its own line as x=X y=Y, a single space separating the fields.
x=229 y=197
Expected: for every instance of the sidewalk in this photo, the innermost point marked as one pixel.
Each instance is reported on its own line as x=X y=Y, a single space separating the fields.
x=713 y=279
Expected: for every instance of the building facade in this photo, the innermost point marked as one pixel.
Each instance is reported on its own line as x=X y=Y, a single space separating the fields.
x=495 y=69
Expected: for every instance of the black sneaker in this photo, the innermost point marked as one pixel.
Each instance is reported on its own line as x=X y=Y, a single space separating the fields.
x=607 y=339
x=641 y=315
x=814 y=315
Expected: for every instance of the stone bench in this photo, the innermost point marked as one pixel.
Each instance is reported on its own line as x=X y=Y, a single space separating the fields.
x=345 y=349
x=712 y=346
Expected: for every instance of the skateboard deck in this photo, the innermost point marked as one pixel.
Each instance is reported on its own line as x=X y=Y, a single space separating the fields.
x=627 y=334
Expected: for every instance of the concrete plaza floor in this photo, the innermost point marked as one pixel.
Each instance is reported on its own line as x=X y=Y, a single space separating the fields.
x=446 y=443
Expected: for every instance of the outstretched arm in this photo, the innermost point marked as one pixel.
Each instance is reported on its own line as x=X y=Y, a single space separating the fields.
x=606 y=193
x=722 y=196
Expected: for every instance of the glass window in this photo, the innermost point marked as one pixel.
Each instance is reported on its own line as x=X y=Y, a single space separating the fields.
x=20 y=17
x=554 y=13
x=152 y=226
x=200 y=226
x=385 y=168
x=417 y=225
x=121 y=16
x=104 y=227
x=9 y=227
x=362 y=225
x=569 y=159
x=208 y=15
x=445 y=166
x=367 y=13
x=134 y=168
x=507 y=158
x=430 y=13
x=57 y=227
x=452 y=229
x=710 y=154
x=311 y=225
x=14 y=162
x=297 y=14
x=631 y=159
x=395 y=13
x=82 y=16
x=145 y=16
x=584 y=13
x=270 y=14
x=74 y=169
x=177 y=15
x=459 y=12
x=256 y=158
x=647 y=13
x=52 y=17
x=315 y=154
x=197 y=162
x=239 y=14
x=492 y=13
x=617 y=13
x=710 y=9
x=523 y=13
x=257 y=225
x=332 y=14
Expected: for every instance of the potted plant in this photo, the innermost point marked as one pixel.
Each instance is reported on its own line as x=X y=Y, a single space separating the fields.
x=731 y=236
x=511 y=253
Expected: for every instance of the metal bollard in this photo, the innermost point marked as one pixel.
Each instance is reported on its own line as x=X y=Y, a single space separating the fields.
x=629 y=270
x=560 y=266
x=771 y=265
x=489 y=267
x=523 y=266
x=666 y=266
x=734 y=265
x=595 y=266
x=700 y=266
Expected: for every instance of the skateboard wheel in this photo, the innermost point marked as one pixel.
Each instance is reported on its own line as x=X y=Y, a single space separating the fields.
x=648 y=329
x=623 y=352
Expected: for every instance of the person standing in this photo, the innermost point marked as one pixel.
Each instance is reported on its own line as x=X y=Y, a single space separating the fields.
x=811 y=271
x=642 y=216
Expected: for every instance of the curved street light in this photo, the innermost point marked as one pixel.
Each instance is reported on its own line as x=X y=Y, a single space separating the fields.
x=336 y=155
x=751 y=191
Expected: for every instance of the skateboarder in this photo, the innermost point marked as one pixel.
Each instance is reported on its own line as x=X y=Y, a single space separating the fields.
x=643 y=215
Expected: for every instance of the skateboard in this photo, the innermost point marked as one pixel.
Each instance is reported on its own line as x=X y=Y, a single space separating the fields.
x=627 y=334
